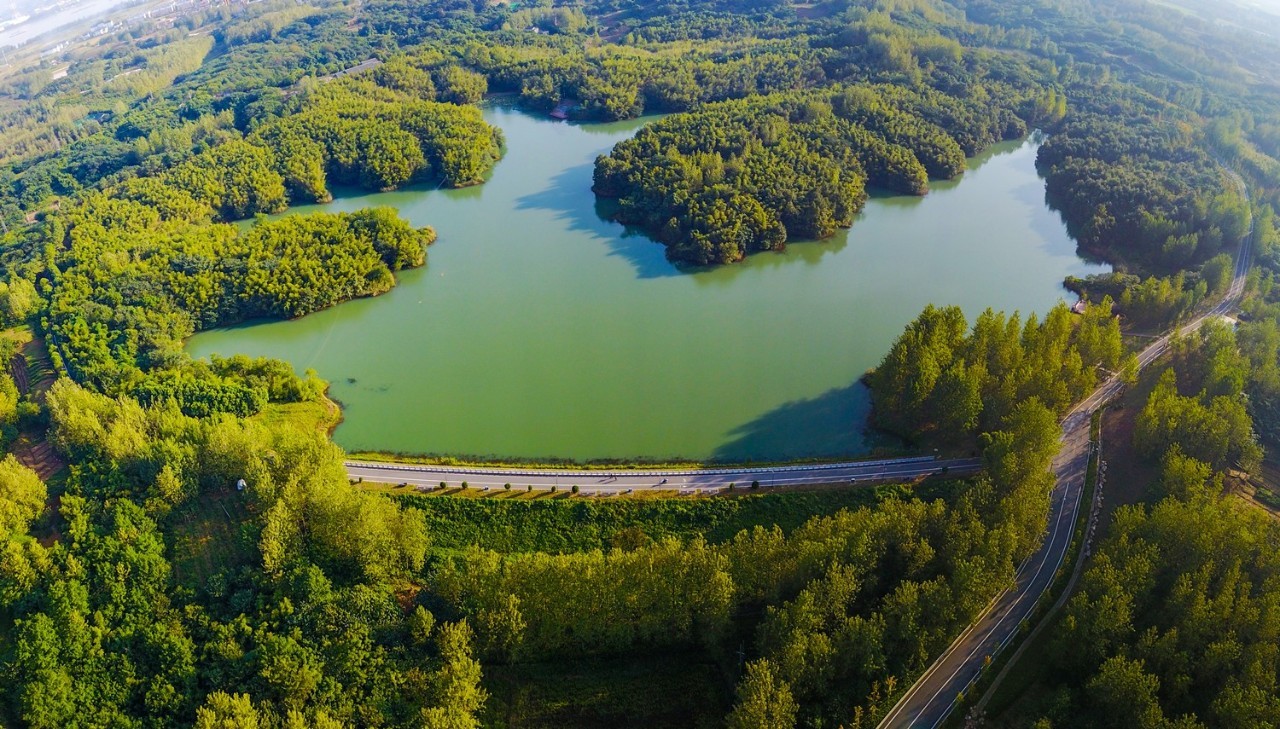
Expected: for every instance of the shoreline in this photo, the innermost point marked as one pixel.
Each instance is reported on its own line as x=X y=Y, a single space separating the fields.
x=601 y=464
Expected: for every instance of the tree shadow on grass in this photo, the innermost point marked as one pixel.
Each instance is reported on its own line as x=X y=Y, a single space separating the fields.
x=831 y=425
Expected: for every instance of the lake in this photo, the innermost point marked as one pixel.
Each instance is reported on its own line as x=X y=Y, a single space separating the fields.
x=539 y=329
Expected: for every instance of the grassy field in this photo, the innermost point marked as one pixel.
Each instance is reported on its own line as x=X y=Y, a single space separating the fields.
x=674 y=691
x=40 y=372
x=520 y=521
x=207 y=536
x=20 y=335
x=323 y=415
x=1131 y=478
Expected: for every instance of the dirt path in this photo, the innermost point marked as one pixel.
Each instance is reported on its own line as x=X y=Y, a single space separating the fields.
x=18 y=370
x=32 y=369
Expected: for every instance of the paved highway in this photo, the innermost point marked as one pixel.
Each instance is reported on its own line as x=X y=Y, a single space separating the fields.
x=928 y=702
x=934 y=695
x=687 y=480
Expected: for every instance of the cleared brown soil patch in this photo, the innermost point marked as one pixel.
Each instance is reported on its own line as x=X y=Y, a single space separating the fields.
x=18 y=370
x=31 y=368
x=1261 y=490
x=33 y=373
x=38 y=455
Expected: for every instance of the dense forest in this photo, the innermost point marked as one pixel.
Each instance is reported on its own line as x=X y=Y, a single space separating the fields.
x=1173 y=623
x=199 y=559
x=738 y=177
x=119 y=326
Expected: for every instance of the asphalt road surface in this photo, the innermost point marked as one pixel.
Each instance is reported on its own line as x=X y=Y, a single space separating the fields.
x=934 y=695
x=688 y=480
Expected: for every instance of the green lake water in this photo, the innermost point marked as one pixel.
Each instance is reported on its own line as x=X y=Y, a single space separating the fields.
x=540 y=329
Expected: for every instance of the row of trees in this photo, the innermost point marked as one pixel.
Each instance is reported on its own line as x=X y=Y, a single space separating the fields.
x=22 y=503
x=943 y=380
x=855 y=604
x=1146 y=303
x=1200 y=403
x=1174 y=623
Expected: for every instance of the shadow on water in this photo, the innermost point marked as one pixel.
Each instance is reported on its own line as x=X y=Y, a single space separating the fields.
x=829 y=425
x=1077 y=230
x=563 y=196
x=807 y=252
x=646 y=255
x=1032 y=195
x=649 y=257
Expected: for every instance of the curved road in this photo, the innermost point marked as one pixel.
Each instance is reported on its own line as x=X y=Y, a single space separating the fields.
x=689 y=480
x=928 y=702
